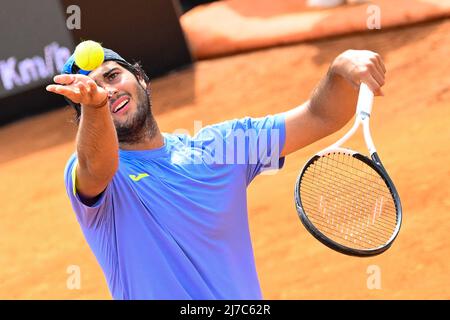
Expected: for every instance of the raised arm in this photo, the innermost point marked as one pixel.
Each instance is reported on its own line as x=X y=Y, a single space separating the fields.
x=333 y=102
x=97 y=144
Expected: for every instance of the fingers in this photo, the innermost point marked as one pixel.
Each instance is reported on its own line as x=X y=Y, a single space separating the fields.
x=64 y=79
x=378 y=73
x=380 y=62
x=79 y=90
x=67 y=91
x=92 y=85
x=377 y=76
x=84 y=90
x=52 y=88
x=378 y=68
x=358 y=66
x=373 y=72
x=70 y=78
x=72 y=86
x=55 y=88
x=373 y=84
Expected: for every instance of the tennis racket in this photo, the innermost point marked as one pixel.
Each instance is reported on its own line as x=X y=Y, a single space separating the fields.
x=346 y=200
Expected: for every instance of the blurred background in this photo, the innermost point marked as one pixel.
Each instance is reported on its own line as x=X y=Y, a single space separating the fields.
x=212 y=61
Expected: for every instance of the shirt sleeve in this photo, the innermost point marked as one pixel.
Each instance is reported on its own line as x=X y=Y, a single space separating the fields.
x=89 y=216
x=254 y=142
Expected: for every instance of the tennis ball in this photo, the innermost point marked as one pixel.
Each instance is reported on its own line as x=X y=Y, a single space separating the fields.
x=89 y=55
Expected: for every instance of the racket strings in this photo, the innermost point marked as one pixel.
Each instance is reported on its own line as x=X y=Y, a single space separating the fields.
x=362 y=243
x=363 y=221
x=370 y=181
x=363 y=197
x=356 y=205
x=357 y=227
x=348 y=201
x=359 y=200
x=355 y=212
x=350 y=229
x=342 y=167
x=362 y=200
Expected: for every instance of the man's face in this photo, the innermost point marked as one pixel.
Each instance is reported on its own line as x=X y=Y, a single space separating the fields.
x=129 y=102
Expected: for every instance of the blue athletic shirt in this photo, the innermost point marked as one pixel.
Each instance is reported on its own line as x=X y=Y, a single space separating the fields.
x=172 y=223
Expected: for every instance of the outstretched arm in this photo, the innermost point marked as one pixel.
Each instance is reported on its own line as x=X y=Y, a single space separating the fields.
x=97 y=144
x=333 y=102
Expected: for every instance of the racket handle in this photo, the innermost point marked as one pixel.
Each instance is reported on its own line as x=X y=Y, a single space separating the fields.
x=365 y=100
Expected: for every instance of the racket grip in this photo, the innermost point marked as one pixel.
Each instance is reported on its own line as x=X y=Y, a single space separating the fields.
x=365 y=100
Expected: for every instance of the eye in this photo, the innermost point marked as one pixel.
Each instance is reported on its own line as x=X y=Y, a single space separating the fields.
x=112 y=76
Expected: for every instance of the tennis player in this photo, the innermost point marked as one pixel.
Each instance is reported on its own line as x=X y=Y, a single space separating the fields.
x=166 y=214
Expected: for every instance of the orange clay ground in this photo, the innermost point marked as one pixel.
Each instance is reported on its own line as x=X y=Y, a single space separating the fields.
x=40 y=237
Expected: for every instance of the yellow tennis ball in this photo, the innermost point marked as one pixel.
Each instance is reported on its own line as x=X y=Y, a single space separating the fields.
x=89 y=55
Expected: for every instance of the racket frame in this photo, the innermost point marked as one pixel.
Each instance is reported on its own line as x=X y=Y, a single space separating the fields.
x=363 y=110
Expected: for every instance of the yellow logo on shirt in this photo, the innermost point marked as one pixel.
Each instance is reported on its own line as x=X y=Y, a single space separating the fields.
x=138 y=177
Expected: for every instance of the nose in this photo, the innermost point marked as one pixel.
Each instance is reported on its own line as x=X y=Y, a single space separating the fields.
x=111 y=90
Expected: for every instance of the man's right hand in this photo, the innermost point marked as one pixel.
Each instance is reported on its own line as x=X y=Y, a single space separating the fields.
x=97 y=145
x=79 y=89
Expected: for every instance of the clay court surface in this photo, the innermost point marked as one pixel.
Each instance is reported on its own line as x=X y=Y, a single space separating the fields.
x=40 y=237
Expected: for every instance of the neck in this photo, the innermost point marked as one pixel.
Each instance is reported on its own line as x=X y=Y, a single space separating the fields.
x=154 y=141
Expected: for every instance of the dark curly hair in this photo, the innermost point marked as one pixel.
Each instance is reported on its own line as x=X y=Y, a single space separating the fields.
x=136 y=69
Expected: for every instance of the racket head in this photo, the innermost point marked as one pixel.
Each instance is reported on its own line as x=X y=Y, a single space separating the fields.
x=326 y=184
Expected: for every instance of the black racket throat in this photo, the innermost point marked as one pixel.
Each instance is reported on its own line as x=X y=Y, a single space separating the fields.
x=363 y=225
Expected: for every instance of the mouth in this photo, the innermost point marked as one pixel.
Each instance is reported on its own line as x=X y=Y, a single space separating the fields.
x=120 y=105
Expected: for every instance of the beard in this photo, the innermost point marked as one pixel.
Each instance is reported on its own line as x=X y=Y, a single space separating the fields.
x=140 y=125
